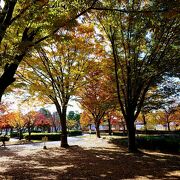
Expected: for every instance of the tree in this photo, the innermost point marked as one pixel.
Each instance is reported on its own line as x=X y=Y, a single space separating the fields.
x=144 y=43
x=46 y=113
x=96 y=96
x=161 y=97
x=86 y=120
x=24 y=24
x=175 y=118
x=30 y=120
x=41 y=121
x=73 y=120
x=16 y=120
x=56 y=121
x=59 y=68
x=4 y=123
x=117 y=119
x=4 y=117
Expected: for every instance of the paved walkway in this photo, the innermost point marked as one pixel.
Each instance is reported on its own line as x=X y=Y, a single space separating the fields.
x=38 y=146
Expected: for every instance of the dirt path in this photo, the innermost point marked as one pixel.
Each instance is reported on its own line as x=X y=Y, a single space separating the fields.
x=89 y=158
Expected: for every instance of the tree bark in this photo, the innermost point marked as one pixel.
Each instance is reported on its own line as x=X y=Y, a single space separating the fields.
x=124 y=129
x=168 y=125
x=62 y=115
x=20 y=134
x=29 y=132
x=131 y=136
x=7 y=77
x=97 y=131
x=64 y=142
x=144 y=121
x=109 y=124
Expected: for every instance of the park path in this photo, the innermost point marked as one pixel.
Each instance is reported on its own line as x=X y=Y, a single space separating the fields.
x=87 y=158
x=39 y=146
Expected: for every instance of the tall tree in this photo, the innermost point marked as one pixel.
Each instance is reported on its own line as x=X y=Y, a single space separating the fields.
x=144 y=45
x=26 y=23
x=59 y=68
x=96 y=96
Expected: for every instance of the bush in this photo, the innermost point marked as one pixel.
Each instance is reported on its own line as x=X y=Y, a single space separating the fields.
x=14 y=134
x=119 y=133
x=75 y=133
x=39 y=136
x=158 y=132
x=4 y=138
x=51 y=136
x=162 y=143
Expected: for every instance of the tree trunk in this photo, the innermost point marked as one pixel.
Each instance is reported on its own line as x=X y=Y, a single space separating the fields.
x=144 y=121
x=7 y=78
x=62 y=115
x=11 y=132
x=97 y=131
x=109 y=125
x=131 y=136
x=54 y=124
x=29 y=132
x=124 y=129
x=168 y=124
x=64 y=142
x=6 y=131
x=20 y=134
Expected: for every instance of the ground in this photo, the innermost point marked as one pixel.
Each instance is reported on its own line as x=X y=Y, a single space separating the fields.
x=86 y=158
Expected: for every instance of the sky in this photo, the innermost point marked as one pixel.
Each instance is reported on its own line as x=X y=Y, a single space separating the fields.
x=15 y=104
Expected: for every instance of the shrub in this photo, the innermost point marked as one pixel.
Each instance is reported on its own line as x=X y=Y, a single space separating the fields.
x=39 y=136
x=75 y=133
x=162 y=143
x=51 y=136
x=14 y=134
x=4 y=138
x=119 y=133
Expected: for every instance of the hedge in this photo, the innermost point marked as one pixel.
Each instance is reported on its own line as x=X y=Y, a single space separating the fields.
x=14 y=134
x=119 y=133
x=4 y=138
x=51 y=136
x=39 y=136
x=163 y=143
x=74 y=133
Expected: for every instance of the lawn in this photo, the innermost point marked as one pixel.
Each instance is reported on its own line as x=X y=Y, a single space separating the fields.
x=90 y=158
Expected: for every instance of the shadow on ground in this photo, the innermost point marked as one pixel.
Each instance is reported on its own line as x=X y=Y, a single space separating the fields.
x=95 y=163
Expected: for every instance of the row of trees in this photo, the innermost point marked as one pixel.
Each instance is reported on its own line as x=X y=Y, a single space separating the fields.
x=161 y=119
x=126 y=46
x=34 y=121
x=24 y=123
